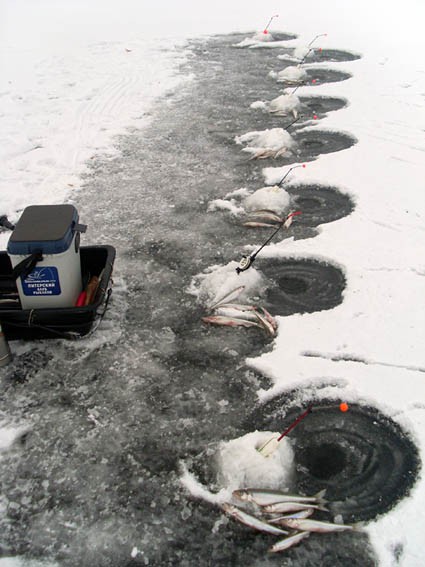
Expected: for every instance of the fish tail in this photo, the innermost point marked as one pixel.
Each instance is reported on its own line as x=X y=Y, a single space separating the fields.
x=320 y=496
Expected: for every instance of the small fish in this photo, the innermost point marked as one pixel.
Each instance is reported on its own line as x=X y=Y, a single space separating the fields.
x=265 y=215
x=231 y=294
x=308 y=525
x=265 y=324
x=283 y=507
x=256 y=224
x=288 y=542
x=250 y=520
x=237 y=306
x=264 y=497
x=269 y=318
x=229 y=321
x=301 y=515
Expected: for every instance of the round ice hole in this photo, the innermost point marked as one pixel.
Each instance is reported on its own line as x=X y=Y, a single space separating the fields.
x=301 y=285
x=319 y=204
x=364 y=459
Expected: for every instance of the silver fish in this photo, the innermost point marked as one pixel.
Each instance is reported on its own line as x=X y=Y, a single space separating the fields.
x=301 y=515
x=229 y=321
x=265 y=215
x=237 y=306
x=264 y=497
x=283 y=507
x=250 y=520
x=316 y=526
x=269 y=318
x=256 y=224
x=288 y=542
x=265 y=324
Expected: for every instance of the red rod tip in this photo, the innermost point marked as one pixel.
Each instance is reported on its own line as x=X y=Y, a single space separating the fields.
x=343 y=407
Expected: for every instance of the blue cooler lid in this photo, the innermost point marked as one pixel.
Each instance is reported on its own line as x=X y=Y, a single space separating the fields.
x=44 y=228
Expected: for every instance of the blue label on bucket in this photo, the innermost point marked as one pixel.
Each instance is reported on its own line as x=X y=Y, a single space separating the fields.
x=42 y=281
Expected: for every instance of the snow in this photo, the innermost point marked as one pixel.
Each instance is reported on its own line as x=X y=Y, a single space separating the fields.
x=74 y=75
x=272 y=198
x=241 y=465
x=269 y=140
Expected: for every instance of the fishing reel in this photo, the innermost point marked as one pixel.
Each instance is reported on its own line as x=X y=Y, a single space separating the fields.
x=244 y=264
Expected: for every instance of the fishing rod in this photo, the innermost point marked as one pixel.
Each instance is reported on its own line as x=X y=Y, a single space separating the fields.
x=288 y=172
x=247 y=261
x=270 y=21
x=317 y=37
x=272 y=444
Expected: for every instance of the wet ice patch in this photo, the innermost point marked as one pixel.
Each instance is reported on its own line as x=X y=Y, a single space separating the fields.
x=267 y=143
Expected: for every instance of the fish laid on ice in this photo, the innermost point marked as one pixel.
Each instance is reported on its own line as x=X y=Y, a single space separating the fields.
x=230 y=321
x=264 y=497
x=301 y=515
x=250 y=520
x=266 y=324
x=284 y=507
x=288 y=542
x=265 y=216
x=308 y=525
x=256 y=224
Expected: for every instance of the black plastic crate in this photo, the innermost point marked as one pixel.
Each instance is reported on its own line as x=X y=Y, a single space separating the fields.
x=63 y=322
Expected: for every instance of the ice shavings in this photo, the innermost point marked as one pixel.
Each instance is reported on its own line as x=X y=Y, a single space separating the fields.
x=290 y=75
x=266 y=143
x=240 y=464
x=285 y=104
x=272 y=198
x=218 y=281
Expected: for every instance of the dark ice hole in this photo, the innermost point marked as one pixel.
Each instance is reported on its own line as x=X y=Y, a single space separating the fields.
x=323 y=461
x=364 y=459
x=292 y=285
x=301 y=285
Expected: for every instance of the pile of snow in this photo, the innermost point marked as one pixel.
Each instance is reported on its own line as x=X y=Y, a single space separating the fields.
x=218 y=281
x=291 y=75
x=285 y=104
x=272 y=198
x=240 y=464
x=266 y=143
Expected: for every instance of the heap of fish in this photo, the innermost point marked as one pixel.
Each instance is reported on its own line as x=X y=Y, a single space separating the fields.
x=281 y=514
x=266 y=218
x=239 y=315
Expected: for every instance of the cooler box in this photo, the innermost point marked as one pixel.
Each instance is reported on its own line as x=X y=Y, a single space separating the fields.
x=54 y=232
